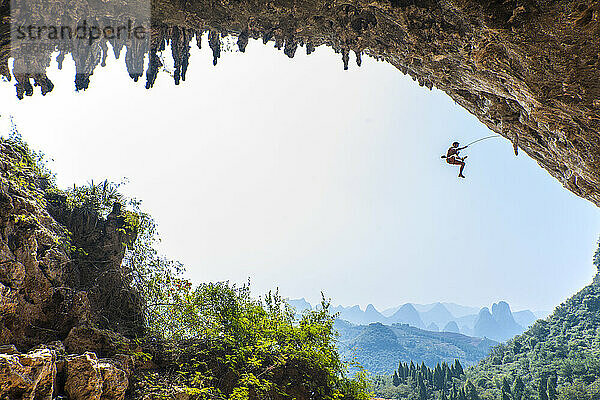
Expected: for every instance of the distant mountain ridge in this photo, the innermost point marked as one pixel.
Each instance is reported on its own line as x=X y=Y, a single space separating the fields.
x=499 y=324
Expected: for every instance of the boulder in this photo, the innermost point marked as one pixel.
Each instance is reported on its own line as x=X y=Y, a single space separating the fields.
x=28 y=376
x=83 y=377
x=103 y=342
x=88 y=378
x=115 y=380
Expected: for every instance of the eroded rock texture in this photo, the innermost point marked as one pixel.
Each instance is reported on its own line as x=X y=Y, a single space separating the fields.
x=528 y=69
x=47 y=372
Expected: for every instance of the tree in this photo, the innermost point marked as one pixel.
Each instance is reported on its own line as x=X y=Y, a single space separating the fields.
x=458 y=369
x=552 y=383
x=542 y=393
x=471 y=391
x=443 y=395
x=518 y=389
x=438 y=377
x=395 y=379
x=447 y=376
x=505 y=389
x=422 y=390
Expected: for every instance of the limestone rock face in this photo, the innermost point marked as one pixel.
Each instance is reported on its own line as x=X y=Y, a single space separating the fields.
x=88 y=378
x=84 y=378
x=50 y=294
x=28 y=376
x=46 y=371
x=84 y=338
x=35 y=306
x=45 y=288
x=114 y=380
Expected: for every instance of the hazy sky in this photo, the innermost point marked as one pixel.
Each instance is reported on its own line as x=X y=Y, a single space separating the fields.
x=306 y=177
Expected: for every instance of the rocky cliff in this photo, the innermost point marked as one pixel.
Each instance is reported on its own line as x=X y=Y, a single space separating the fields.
x=61 y=284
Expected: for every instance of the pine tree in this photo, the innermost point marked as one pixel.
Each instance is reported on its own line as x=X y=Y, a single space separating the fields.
x=395 y=379
x=443 y=395
x=401 y=370
x=448 y=377
x=445 y=369
x=438 y=377
x=422 y=391
x=471 y=391
x=458 y=369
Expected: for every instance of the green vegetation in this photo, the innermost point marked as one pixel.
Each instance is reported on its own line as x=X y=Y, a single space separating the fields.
x=420 y=382
x=242 y=348
x=214 y=341
x=556 y=359
x=26 y=165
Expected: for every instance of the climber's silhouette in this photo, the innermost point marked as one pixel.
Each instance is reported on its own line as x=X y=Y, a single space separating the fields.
x=453 y=158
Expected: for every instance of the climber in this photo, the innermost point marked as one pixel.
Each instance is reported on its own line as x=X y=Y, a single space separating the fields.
x=453 y=158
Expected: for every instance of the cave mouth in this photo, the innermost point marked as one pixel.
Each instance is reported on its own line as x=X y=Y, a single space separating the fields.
x=180 y=109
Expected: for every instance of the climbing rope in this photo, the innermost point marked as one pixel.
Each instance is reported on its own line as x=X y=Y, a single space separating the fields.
x=483 y=138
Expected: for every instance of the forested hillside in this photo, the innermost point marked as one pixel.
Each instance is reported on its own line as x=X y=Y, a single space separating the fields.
x=379 y=348
x=557 y=358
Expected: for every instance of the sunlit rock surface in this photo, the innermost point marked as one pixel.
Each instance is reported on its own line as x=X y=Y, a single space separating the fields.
x=47 y=372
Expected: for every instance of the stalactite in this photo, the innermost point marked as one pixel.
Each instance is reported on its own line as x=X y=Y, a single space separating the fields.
x=242 y=41
x=154 y=65
x=345 y=57
x=358 y=57
x=214 y=41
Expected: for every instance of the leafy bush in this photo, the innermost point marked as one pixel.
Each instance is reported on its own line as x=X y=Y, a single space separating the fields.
x=238 y=347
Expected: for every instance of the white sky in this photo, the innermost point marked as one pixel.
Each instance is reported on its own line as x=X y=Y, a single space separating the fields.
x=306 y=177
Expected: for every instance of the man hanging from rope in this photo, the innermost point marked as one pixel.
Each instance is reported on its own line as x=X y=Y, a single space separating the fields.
x=453 y=158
